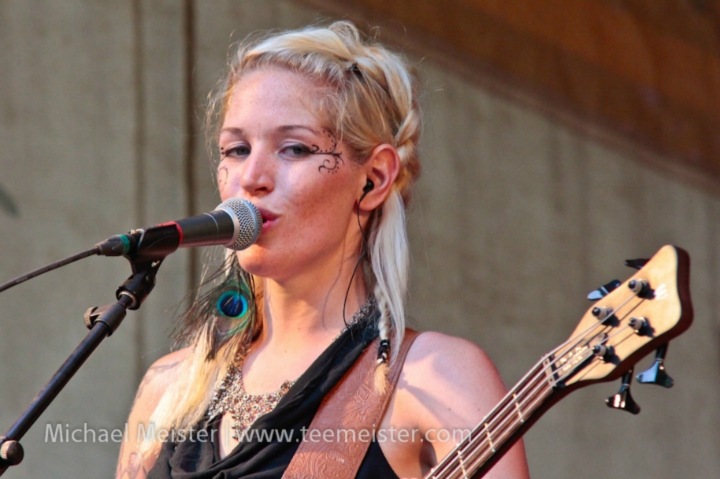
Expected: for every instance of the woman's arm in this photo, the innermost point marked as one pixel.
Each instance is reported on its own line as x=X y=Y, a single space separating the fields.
x=158 y=377
x=450 y=384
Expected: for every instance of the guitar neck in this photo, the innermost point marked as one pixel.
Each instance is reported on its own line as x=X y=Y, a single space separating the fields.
x=501 y=427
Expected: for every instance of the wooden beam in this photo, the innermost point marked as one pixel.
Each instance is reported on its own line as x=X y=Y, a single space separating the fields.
x=648 y=70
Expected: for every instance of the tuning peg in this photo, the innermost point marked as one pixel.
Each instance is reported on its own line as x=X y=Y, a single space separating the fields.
x=636 y=263
x=623 y=400
x=603 y=291
x=656 y=374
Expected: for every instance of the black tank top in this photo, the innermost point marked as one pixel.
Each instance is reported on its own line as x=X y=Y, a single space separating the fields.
x=262 y=459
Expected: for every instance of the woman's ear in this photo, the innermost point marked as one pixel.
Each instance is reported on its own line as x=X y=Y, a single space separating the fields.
x=381 y=171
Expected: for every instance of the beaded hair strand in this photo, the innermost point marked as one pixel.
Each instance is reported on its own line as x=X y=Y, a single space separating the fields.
x=391 y=278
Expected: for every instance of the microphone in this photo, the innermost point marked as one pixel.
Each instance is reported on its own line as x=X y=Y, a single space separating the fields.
x=235 y=224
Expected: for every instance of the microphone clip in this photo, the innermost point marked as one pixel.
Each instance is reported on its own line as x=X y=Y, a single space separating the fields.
x=143 y=245
x=145 y=250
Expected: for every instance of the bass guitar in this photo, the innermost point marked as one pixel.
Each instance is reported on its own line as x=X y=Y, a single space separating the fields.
x=628 y=322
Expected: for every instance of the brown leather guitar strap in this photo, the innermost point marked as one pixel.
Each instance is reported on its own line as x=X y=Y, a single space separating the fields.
x=342 y=429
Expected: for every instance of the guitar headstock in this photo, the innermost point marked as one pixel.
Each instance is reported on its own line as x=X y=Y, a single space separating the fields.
x=644 y=312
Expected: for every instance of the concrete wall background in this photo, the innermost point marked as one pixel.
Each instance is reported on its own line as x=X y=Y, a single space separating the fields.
x=515 y=219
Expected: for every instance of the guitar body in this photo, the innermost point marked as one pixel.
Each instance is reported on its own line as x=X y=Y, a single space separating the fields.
x=639 y=316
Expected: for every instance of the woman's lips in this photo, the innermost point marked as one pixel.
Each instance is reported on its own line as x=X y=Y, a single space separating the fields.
x=268 y=217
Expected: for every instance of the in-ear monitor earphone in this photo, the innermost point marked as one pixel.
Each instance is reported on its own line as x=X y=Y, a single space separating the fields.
x=369 y=185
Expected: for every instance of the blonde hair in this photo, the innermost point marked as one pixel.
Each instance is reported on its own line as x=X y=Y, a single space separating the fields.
x=371 y=93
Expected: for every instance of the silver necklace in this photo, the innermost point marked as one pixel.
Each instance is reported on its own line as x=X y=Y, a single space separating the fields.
x=230 y=396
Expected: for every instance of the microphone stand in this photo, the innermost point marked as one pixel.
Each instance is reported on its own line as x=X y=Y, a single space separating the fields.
x=102 y=322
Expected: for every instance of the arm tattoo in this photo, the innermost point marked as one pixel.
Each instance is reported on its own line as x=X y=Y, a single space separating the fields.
x=118 y=469
x=134 y=469
x=331 y=165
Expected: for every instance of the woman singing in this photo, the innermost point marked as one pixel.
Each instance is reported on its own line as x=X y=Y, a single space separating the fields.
x=318 y=128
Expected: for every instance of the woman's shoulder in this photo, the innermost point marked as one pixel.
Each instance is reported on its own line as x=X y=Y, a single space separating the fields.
x=169 y=361
x=437 y=353
x=446 y=387
x=449 y=373
x=159 y=376
x=157 y=379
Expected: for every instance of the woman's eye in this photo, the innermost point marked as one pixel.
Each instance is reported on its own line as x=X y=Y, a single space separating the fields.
x=235 y=151
x=296 y=150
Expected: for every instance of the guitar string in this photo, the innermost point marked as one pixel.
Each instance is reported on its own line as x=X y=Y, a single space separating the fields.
x=503 y=415
x=482 y=451
x=480 y=447
x=501 y=432
x=579 y=338
x=527 y=392
x=536 y=382
x=530 y=377
x=583 y=333
x=473 y=451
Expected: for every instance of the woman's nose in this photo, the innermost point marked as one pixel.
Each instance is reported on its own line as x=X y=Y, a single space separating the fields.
x=254 y=176
x=258 y=174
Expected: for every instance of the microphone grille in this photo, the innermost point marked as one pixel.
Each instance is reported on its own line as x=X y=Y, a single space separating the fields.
x=248 y=221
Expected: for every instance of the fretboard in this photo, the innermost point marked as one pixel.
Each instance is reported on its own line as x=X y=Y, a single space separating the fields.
x=500 y=426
